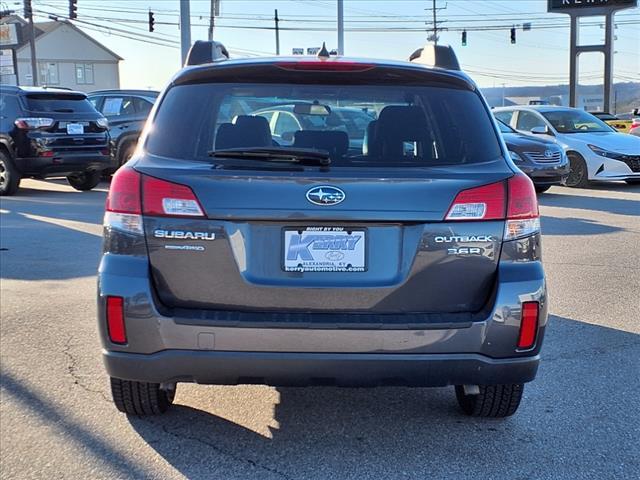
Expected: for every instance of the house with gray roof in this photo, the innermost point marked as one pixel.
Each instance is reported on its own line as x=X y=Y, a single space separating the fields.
x=66 y=57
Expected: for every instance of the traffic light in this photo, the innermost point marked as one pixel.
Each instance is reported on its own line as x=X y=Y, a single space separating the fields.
x=464 y=38
x=513 y=35
x=28 y=10
x=73 y=9
x=152 y=21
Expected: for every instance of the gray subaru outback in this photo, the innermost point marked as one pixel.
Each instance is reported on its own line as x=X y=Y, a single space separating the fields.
x=410 y=256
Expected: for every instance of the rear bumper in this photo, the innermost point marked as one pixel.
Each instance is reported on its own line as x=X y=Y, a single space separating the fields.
x=168 y=345
x=304 y=369
x=63 y=163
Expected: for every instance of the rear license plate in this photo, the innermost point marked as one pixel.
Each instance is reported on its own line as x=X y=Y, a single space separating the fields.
x=75 y=128
x=324 y=249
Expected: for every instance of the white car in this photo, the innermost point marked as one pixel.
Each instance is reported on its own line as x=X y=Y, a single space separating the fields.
x=596 y=151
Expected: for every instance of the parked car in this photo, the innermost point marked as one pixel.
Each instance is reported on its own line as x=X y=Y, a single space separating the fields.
x=595 y=150
x=228 y=259
x=542 y=160
x=635 y=127
x=621 y=125
x=127 y=112
x=49 y=132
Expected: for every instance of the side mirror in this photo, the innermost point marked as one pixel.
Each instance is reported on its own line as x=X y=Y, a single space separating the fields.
x=541 y=130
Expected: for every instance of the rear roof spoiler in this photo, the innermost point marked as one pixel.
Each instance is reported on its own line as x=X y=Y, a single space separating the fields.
x=202 y=52
x=440 y=56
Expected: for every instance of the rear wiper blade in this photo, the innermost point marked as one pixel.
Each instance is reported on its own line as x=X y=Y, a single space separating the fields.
x=63 y=110
x=276 y=155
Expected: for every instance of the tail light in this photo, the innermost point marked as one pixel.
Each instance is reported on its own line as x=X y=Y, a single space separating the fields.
x=523 y=218
x=162 y=198
x=115 y=320
x=133 y=194
x=528 y=325
x=481 y=203
x=514 y=201
x=30 y=123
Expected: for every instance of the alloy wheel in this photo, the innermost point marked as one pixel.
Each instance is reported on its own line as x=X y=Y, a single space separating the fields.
x=577 y=173
x=3 y=173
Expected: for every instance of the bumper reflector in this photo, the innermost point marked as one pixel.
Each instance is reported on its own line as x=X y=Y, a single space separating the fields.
x=528 y=325
x=115 y=320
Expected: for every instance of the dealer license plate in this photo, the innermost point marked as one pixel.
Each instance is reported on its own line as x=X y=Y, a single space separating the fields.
x=324 y=249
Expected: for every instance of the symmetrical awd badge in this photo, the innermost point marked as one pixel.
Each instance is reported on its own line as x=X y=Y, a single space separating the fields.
x=325 y=195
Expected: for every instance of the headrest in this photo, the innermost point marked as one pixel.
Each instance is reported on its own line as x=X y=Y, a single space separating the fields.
x=246 y=131
x=334 y=141
x=407 y=121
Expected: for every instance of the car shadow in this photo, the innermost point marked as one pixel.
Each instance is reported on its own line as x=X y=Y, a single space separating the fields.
x=418 y=433
x=574 y=226
x=618 y=206
x=50 y=235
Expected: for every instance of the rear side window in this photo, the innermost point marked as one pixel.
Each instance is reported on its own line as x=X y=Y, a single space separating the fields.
x=117 y=106
x=142 y=106
x=9 y=106
x=528 y=120
x=62 y=103
x=361 y=126
x=504 y=117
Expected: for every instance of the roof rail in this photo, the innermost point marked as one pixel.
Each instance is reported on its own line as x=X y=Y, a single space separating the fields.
x=203 y=51
x=440 y=56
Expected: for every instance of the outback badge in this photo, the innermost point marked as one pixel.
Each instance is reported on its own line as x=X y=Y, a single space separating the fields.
x=325 y=195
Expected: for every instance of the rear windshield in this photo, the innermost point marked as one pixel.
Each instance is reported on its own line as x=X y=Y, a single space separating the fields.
x=63 y=103
x=356 y=125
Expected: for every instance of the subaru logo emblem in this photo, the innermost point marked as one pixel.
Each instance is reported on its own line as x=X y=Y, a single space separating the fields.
x=325 y=195
x=548 y=153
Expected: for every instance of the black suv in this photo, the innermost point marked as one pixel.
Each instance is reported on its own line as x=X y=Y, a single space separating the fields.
x=127 y=112
x=47 y=132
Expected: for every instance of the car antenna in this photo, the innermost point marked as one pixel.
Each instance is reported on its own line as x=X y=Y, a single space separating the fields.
x=324 y=53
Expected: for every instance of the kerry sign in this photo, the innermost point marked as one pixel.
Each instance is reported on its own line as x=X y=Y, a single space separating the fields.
x=561 y=6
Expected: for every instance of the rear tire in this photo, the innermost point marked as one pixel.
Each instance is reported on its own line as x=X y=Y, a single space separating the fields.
x=579 y=175
x=542 y=188
x=9 y=176
x=140 y=398
x=494 y=401
x=86 y=180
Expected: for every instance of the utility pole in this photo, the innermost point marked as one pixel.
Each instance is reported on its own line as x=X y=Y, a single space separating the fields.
x=185 y=29
x=340 y=27
x=434 y=11
x=212 y=17
x=435 y=23
x=28 y=12
x=277 y=20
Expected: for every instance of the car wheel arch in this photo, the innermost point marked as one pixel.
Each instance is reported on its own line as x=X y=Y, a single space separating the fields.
x=123 y=144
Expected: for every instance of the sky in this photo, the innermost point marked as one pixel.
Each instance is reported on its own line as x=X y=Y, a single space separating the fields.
x=374 y=29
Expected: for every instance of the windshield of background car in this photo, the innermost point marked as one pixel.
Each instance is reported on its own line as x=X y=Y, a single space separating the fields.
x=575 y=121
x=356 y=125
x=60 y=103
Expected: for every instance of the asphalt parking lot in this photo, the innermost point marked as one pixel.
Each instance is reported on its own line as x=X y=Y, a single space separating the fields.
x=579 y=419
